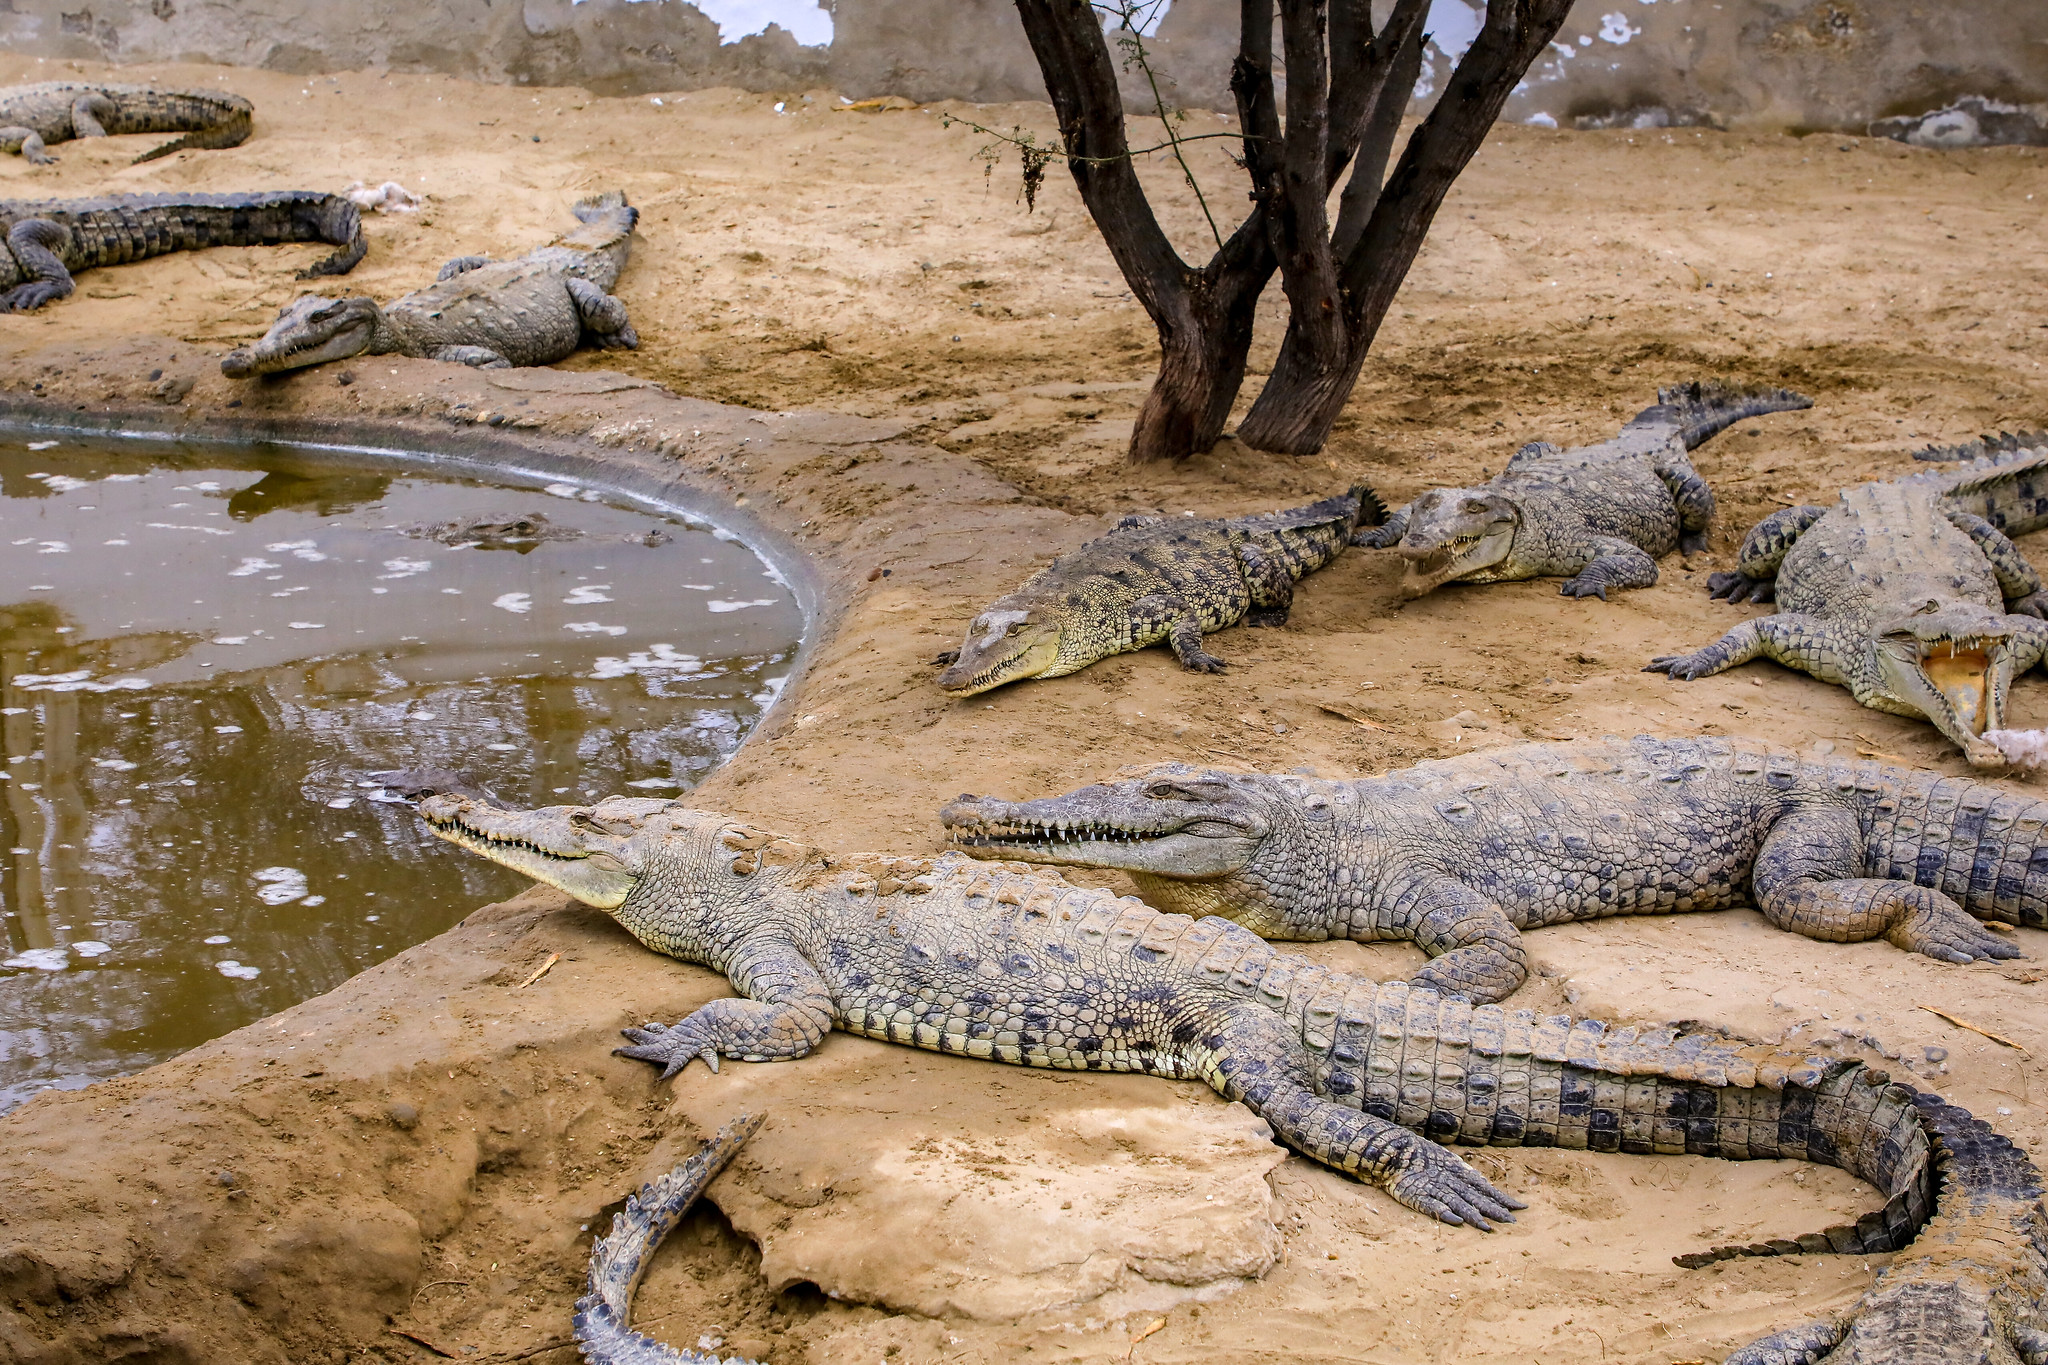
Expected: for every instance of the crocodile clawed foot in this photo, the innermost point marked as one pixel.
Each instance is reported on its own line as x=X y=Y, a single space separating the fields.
x=1681 y=667
x=1734 y=586
x=1947 y=933
x=1203 y=662
x=2033 y=604
x=1266 y=616
x=1377 y=538
x=1439 y=1184
x=1584 y=587
x=671 y=1049
x=1692 y=542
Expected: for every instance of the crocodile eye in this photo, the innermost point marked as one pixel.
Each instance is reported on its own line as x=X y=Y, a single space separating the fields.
x=1016 y=629
x=1475 y=506
x=1927 y=608
x=1168 y=791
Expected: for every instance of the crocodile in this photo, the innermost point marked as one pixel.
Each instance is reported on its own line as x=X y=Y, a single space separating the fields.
x=1008 y=963
x=1910 y=593
x=620 y=1258
x=1152 y=579
x=1458 y=855
x=50 y=240
x=33 y=116
x=1600 y=516
x=532 y=310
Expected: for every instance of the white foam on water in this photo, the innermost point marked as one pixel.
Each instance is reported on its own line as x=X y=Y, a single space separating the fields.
x=503 y=748
x=172 y=526
x=341 y=803
x=659 y=658
x=119 y=765
x=518 y=603
x=278 y=885
x=302 y=549
x=40 y=959
x=255 y=564
x=308 y=625
x=562 y=490
x=593 y=628
x=215 y=940
x=232 y=968
x=650 y=782
x=41 y=445
x=719 y=605
x=227 y=729
x=54 y=547
x=588 y=595
x=405 y=568
x=64 y=483
x=91 y=947
x=229 y=640
x=79 y=681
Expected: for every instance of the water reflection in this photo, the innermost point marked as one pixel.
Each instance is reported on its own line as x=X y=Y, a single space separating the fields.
x=203 y=654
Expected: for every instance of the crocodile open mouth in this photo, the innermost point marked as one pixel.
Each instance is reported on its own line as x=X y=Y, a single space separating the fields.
x=1961 y=671
x=1049 y=838
x=456 y=830
x=590 y=874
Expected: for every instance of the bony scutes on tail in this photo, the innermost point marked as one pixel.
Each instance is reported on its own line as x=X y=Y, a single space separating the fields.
x=1458 y=855
x=1598 y=516
x=620 y=1258
x=1911 y=593
x=532 y=310
x=1152 y=579
x=32 y=116
x=999 y=962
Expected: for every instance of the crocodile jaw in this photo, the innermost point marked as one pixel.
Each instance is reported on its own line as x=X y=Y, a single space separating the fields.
x=310 y=331
x=1002 y=646
x=1454 y=533
x=1958 y=683
x=1147 y=826
x=555 y=844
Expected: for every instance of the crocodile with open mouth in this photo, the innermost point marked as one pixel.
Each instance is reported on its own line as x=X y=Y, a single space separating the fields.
x=1002 y=962
x=1599 y=516
x=1910 y=594
x=50 y=240
x=31 y=116
x=1152 y=579
x=532 y=310
x=1460 y=854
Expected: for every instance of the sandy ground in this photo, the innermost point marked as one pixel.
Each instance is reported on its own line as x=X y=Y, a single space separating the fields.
x=406 y=1169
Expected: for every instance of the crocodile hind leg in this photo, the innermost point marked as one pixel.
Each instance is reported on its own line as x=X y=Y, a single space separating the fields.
x=1250 y=1060
x=1792 y=638
x=1809 y=880
x=28 y=142
x=1616 y=564
x=34 y=242
x=1754 y=578
x=1802 y=1345
x=1272 y=587
x=481 y=357
x=2018 y=581
x=86 y=113
x=1694 y=498
x=785 y=1013
x=604 y=317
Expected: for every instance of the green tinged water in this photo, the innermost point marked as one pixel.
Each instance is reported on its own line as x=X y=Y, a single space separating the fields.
x=206 y=651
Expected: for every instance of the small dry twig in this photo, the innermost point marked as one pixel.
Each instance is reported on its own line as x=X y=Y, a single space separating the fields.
x=1964 y=1023
x=541 y=971
x=411 y=1335
x=1344 y=712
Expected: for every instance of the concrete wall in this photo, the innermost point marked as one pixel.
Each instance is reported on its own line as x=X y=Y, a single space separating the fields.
x=1782 y=63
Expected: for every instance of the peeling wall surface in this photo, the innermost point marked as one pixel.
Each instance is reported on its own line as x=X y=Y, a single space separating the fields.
x=1835 y=64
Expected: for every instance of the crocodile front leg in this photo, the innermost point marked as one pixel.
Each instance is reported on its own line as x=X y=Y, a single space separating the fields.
x=784 y=1012
x=1808 y=880
x=1763 y=550
x=1478 y=951
x=1163 y=616
x=1616 y=564
x=87 y=111
x=1388 y=532
x=28 y=142
x=1793 y=638
x=1272 y=587
x=1805 y=1344
x=1244 y=1063
x=604 y=317
x=461 y=265
x=2018 y=581
x=34 y=242
x=481 y=357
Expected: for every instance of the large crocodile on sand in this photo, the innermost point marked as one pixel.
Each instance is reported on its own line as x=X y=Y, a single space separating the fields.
x=1600 y=516
x=1910 y=594
x=32 y=116
x=1152 y=579
x=50 y=240
x=533 y=310
x=1460 y=854
x=999 y=961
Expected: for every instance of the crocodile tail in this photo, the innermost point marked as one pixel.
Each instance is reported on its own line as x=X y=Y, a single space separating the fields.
x=1704 y=409
x=1984 y=447
x=1982 y=845
x=618 y=1259
x=606 y=219
x=1490 y=1076
x=1371 y=510
x=216 y=120
x=339 y=221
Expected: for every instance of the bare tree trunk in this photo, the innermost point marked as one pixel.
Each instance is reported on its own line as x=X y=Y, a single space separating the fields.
x=1204 y=316
x=1379 y=231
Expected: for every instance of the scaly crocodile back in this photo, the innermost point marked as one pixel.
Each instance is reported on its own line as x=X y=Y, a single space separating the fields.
x=619 y=1259
x=120 y=228
x=2006 y=484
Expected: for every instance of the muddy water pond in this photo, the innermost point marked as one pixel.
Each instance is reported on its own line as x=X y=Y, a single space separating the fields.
x=205 y=652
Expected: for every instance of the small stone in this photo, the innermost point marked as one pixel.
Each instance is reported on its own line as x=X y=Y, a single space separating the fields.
x=225 y=1179
x=402 y=1115
x=1935 y=1054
